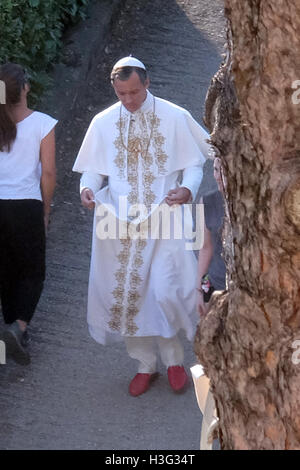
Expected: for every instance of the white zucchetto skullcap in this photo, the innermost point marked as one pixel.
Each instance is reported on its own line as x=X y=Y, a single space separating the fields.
x=129 y=62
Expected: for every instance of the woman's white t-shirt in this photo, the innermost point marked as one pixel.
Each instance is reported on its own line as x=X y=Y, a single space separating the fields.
x=20 y=169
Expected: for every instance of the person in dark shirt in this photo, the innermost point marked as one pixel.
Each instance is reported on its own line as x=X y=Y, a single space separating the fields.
x=211 y=266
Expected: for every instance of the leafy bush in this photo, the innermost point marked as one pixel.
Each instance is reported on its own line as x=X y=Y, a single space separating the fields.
x=31 y=32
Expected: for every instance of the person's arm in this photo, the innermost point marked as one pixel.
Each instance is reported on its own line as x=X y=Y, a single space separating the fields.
x=48 y=176
x=204 y=259
x=90 y=183
x=191 y=179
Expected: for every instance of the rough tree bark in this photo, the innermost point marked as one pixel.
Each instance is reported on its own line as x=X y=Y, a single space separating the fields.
x=246 y=343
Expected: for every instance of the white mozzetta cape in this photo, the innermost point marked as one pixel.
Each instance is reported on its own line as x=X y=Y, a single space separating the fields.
x=178 y=141
x=142 y=287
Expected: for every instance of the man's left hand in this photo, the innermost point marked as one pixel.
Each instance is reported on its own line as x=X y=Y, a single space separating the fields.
x=178 y=196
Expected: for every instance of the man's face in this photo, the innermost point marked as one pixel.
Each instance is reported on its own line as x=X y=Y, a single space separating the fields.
x=132 y=92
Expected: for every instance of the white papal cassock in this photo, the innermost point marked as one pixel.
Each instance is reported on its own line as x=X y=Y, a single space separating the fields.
x=144 y=286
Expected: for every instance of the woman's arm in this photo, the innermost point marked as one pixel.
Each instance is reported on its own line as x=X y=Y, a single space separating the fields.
x=204 y=259
x=205 y=256
x=48 y=177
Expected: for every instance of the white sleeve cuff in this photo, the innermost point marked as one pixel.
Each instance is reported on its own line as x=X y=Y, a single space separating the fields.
x=91 y=180
x=191 y=179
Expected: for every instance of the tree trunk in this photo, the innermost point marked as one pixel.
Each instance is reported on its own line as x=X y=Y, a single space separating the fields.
x=248 y=342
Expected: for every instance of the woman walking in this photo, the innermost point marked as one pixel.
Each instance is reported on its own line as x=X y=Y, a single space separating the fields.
x=27 y=182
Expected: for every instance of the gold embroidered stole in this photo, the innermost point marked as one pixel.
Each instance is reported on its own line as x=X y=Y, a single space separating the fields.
x=140 y=159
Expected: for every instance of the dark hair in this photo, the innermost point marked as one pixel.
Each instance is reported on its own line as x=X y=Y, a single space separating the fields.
x=14 y=78
x=123 y=74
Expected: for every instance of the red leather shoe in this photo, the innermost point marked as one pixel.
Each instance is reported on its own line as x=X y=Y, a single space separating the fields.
x=177 y=377
x=140 y=384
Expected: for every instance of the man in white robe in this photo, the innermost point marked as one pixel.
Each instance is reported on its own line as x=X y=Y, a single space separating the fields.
x=141 y=288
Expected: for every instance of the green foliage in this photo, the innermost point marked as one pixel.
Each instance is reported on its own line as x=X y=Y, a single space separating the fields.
x=31 y=33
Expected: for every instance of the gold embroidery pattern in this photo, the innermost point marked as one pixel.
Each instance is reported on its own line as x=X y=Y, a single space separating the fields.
x=158 y=141
x=147 y=161
x=137 y=152
x=135 y=280
x=120 y=158
x=119 y=291
x=133 y=167
x=133 y=294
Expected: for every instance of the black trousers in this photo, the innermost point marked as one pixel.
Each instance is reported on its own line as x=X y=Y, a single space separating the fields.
x=22 y=257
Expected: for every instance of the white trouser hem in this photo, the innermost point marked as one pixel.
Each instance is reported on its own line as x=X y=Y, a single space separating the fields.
x=144 y=350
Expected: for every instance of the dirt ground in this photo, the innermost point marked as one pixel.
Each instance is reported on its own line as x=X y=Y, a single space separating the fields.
x=74 y=394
